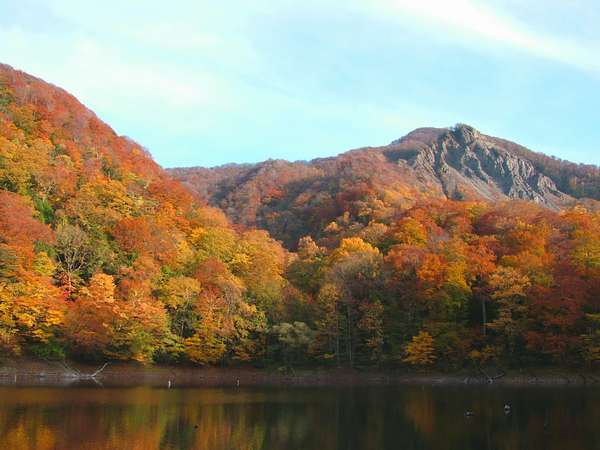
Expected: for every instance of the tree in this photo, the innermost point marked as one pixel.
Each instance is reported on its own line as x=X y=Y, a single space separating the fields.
x=591 y=340
x=354 y=268
x=420 y=351
x=294 y=339
x=101 y=325
x=30 y=314
x=151 y=236
x=75 y=255
x=204 y=347
x=180 y=296
x=326 y=344
x=94 y=319
x=370 y=326
x=509 y=289
x=260 y=262
x=19 y=228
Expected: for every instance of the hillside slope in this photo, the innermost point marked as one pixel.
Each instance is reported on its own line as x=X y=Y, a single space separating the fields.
x=290 y=199
x=103 y=256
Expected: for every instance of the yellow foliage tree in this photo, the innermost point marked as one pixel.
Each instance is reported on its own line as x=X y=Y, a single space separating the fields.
x=420 y=351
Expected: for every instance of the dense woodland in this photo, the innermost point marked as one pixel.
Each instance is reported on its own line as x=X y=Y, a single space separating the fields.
x=103 y=256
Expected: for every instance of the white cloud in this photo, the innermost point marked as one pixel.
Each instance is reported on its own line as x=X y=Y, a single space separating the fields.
x=98 y=73
x=470 y=21
x=103 y=67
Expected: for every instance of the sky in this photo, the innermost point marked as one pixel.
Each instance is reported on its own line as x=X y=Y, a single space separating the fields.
x=204 y=83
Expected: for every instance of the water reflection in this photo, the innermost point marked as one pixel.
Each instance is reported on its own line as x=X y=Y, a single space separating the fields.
x=299 y=418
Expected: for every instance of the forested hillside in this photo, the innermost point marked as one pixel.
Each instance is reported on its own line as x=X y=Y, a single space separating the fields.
x=290 y=199
x=103 y=256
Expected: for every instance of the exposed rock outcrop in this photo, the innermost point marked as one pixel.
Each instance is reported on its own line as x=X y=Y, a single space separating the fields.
x=467 y=163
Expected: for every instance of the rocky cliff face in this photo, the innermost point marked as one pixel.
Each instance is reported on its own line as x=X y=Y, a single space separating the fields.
x=466 y=163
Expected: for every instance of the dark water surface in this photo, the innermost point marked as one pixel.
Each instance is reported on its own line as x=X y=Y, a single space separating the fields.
x=401 y=417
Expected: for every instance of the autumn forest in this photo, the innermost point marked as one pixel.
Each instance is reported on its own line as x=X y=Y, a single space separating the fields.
x=104 y=256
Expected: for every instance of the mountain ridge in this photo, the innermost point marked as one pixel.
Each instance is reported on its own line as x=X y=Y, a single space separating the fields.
x=456 y=163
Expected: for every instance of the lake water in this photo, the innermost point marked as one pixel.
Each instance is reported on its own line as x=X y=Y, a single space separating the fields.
x=400 y=417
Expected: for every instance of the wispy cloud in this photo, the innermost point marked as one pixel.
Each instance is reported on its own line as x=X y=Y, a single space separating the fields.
x=476 y=23
x=250 y=80
x=102 y=75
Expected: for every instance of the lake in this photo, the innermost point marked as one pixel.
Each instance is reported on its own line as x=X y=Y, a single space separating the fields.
x=398 y=417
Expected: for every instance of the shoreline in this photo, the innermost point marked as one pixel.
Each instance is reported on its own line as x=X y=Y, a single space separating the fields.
x=39 y=373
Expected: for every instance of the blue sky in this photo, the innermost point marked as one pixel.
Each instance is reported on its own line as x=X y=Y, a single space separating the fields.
x=211 y=82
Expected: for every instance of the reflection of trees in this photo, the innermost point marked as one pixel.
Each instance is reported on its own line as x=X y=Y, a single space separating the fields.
x=420 y=409
x=146 y=418
x=366 y=418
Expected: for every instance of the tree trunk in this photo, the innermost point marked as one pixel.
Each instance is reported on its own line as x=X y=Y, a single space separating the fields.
x=349 y=335
x=337 y=335
x=484 y=316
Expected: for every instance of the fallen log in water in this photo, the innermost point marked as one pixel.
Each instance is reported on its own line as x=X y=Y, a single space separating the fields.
x=491 y=379
x=74 y=373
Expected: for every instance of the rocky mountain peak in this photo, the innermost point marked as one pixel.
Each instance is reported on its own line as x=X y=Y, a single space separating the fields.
x=468 y=164
x=464 y=134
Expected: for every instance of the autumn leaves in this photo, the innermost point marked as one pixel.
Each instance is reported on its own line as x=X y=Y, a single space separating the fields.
x=103 y=256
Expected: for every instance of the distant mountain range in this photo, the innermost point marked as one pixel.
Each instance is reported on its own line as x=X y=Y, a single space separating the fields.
x=291 y=199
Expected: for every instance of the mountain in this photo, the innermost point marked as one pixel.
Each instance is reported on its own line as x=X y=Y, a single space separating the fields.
x=413 y=259
x=291 y=199
x=463 y=163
